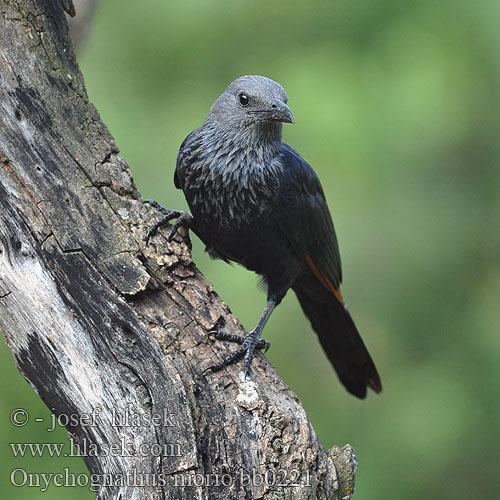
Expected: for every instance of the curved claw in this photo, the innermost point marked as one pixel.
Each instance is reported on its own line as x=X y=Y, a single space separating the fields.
x=156 y=205
x=263 y=345
x=169 y=215
x=183 y=220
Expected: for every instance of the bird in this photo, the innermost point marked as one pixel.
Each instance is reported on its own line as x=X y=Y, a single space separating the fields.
x=255 y=201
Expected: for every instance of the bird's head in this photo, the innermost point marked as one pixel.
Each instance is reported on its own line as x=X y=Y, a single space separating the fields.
x=251 y=102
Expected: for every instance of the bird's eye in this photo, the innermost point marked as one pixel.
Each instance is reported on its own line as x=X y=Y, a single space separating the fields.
x=244 y=99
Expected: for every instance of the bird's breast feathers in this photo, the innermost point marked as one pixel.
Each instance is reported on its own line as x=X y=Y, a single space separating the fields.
x=227 y=184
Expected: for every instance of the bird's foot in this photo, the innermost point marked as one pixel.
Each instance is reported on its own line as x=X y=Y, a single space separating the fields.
x=261 y=343
x=248 y=345
x=184 y=220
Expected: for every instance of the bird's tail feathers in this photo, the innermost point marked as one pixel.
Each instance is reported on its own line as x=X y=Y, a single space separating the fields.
x=341 y=341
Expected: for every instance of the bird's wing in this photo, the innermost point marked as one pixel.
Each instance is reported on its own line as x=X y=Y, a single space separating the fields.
x=306 y=221
x=184 y=157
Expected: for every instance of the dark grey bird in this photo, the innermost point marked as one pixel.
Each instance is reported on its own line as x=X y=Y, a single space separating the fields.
x=254 y=200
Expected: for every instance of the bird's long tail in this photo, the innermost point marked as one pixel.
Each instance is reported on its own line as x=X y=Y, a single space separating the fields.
x=339 y=338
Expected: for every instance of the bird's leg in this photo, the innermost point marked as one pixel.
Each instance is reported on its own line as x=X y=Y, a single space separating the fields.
x=248 y=343
x=183 y=220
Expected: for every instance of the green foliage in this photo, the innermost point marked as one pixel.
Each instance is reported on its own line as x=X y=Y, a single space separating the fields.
x=396 y=107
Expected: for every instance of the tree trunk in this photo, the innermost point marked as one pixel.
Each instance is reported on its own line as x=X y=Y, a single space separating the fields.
x=105 y=328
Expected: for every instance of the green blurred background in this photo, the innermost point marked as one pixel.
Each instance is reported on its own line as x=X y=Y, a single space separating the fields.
x=397 y=109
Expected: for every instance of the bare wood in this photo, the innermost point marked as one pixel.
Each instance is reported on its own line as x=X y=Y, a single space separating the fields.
x=101 y=325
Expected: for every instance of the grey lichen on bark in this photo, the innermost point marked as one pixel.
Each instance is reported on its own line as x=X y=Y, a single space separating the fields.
x=98 y=323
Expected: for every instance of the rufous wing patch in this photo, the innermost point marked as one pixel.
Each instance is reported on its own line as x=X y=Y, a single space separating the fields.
x=324 y=280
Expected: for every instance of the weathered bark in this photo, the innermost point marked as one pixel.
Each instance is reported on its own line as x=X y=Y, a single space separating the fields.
x=101 y=325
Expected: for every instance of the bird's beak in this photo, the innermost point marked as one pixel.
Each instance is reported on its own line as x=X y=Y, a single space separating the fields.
x=281 y=112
